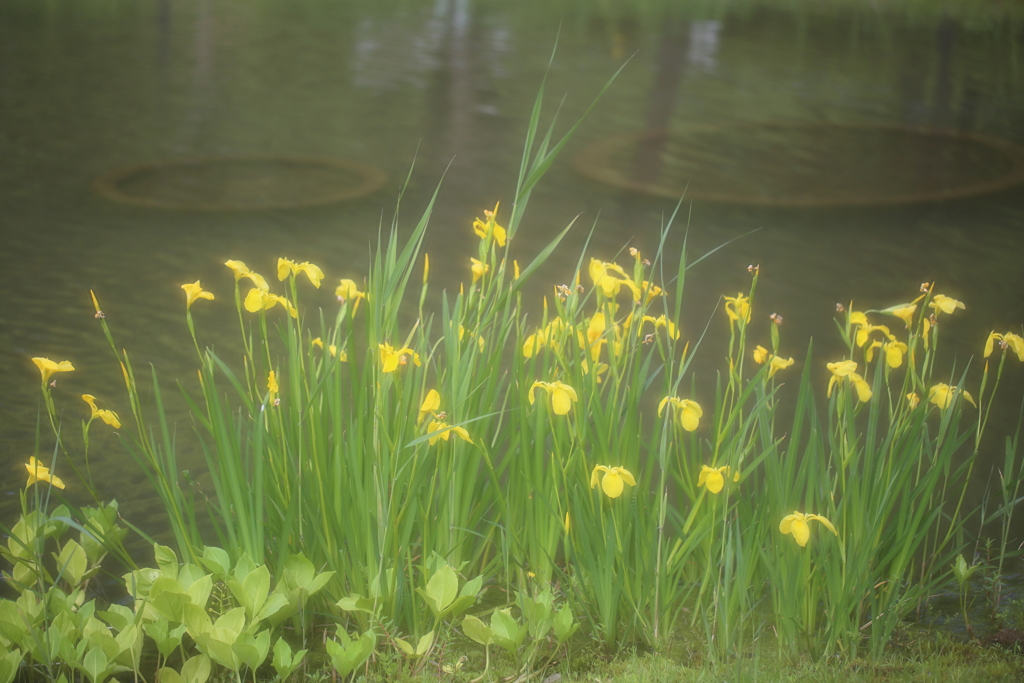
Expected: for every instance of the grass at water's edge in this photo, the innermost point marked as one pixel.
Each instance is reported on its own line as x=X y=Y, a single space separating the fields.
x=932 y=657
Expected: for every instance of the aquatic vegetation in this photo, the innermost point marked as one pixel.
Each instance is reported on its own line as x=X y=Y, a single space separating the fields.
x=318 y=457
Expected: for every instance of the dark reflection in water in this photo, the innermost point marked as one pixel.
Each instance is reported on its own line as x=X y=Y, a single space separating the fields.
x=87 y=87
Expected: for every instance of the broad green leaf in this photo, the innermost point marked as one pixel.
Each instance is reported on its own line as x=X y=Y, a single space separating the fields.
x=356 y=603
x=217 y=644
x=117 y=616
x=257 y=587
x=196 y=669
x=169 y=675
x=298 y=571
x=506 y=632
x=252 y=651
x=272 y=606
x=196 y=620
x=476 y=630
x=166 y=560
x=216 y=560
x=171 y=605
x=189 y=573
x=442 y=589
x=72 y=562
x=11 y=623
x=421 y=647
x=319 y=581
x=243 y=567
x=9 y=662
x=405 y=647
x=284 y=661
x=105 y=642
x=340 y=659
x=94 y=664
x=199 y=591
x=564 y=624
x=232 y=620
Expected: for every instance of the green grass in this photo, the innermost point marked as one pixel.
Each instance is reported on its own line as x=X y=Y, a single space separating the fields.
x=928 y=658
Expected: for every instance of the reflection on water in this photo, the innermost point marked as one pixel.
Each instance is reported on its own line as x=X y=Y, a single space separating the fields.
x=87 y=87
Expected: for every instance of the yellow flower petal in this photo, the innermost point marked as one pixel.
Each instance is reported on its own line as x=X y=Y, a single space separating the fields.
x=712 y=478
x=894 y=353
x=862 y=387
x=612 y=484
x=778 y=363
x=1015 y=342
x=941 y=395
x=193 y=292
x=690 y=414
x=946 y=304
x=313 y=272
x=760 y=355
x=431 y=403
x=828 y=524
x=47 y=367
x=801 y=532
x=990 y=342
x=37 y=471
x=842 y=368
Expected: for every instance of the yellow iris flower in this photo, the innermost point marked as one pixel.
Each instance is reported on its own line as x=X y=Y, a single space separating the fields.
x=47 y=367
x=37 y=471
x=108 y=416
x=689 y=411
x=942 y=395
x=761 y=354
x=286 y=268
x=904 y=312
x=894 y=353
x=737 y=308
x=913 y=399
x=479 y=268
x=445 y=431
x=262 y=300
x=662 y=321
x=431 y=403
x=272 y=386
x=194 y=292
x=776 y=363
x=349 y=291
x=562 y=395
x=845 y=369
x=864 y=333
x=796 y=524
x=489 y=226
x=714 y=477
x=779 y=363
x=601 y=276
x=390 y=358
x=613 y=480
x=649 y=291
x=534 y=343
x=343 y=357
x=241 y=270
x=1008 y=340
x=945 y=304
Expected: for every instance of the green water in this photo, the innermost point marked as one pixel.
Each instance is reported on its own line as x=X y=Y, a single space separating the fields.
x=88 y=87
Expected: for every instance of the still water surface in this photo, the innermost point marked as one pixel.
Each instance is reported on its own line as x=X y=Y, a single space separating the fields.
x=89 y=87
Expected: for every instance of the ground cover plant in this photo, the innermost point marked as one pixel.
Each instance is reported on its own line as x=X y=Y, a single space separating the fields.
x=389 y=479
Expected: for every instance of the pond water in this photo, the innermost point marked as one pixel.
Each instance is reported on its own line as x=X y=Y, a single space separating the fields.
x=90 y=88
